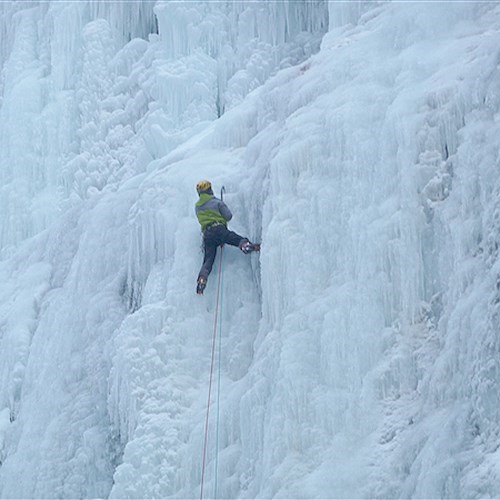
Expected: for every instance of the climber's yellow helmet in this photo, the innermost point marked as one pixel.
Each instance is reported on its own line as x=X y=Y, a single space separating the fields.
x=203 y=186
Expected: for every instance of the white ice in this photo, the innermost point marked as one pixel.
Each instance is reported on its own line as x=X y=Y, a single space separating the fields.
x=359 y=142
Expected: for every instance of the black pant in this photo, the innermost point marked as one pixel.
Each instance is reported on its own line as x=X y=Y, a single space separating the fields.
x=215 y=236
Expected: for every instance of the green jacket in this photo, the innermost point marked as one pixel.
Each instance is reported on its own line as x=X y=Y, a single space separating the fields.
x=211 y=210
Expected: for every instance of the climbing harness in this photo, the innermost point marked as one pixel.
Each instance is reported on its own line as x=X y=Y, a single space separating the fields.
x=214 y=343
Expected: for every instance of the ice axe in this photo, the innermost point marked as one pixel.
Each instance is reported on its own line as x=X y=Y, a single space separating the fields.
x=222 y=191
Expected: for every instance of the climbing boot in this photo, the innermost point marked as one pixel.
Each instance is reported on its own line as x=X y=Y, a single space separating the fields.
x=202 y=283
x=247 y=247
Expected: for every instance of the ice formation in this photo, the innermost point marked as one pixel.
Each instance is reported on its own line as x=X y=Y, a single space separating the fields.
x=359 y=141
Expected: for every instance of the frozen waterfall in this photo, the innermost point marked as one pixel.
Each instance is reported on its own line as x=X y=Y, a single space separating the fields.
x=359 y=141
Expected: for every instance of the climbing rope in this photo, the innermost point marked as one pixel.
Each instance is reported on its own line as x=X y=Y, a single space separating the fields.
x=205 y=444
x=218 y=384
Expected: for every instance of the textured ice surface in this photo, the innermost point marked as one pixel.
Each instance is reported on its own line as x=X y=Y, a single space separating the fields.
x=358 y=141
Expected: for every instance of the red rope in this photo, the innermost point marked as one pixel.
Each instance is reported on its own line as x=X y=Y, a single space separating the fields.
x=211 y=376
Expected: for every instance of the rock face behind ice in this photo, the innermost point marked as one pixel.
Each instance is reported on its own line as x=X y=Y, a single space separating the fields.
x=358 y=141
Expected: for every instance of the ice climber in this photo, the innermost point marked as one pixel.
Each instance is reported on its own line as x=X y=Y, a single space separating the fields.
x=213 y=215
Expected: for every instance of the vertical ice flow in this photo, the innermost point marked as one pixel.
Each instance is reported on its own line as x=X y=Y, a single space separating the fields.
x=358 y=141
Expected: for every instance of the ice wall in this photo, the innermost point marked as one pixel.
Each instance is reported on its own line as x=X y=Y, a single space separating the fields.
x=85 y=106
x=359 y=350
x=82 y=117
x=55 y=77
